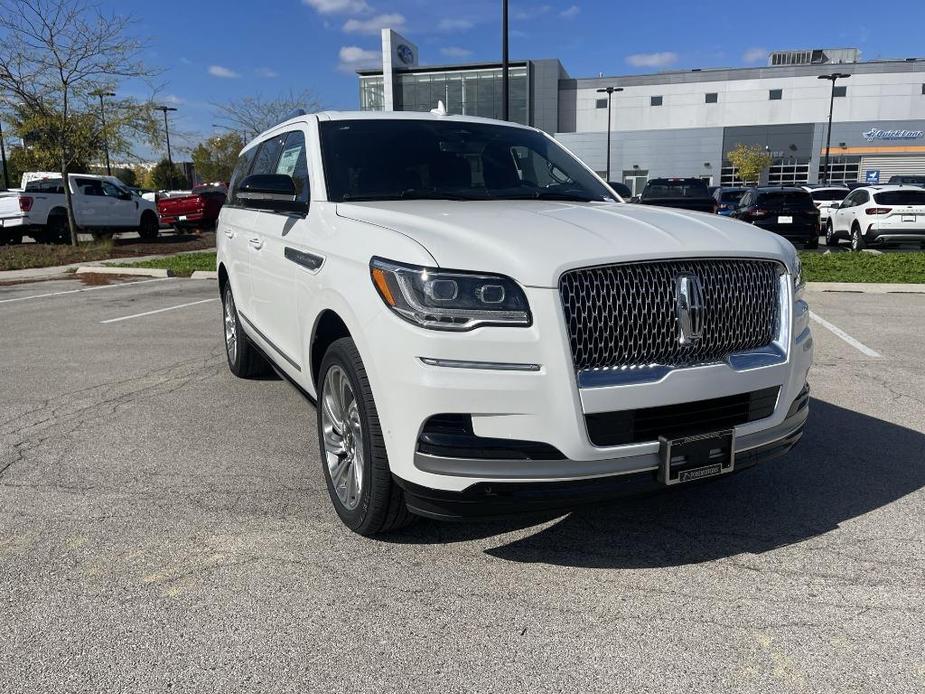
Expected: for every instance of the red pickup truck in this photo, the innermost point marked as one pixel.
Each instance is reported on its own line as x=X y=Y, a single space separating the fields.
x=198 y=209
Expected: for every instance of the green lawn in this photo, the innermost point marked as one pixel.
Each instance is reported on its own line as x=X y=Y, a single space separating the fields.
x=182 y=265
x=901 y=268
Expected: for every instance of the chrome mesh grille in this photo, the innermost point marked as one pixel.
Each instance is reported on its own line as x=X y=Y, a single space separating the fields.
x=625 y=315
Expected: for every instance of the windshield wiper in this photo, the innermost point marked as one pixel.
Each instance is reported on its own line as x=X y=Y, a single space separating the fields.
x=547 y=195
x=419 y=194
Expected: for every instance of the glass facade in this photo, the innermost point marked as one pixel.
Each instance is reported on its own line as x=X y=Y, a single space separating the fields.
x=474 y=92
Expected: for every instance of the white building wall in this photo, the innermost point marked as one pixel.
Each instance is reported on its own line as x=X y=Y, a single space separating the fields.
x=870 y=97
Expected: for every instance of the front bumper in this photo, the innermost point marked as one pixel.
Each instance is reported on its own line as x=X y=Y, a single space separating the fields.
x=546 y=404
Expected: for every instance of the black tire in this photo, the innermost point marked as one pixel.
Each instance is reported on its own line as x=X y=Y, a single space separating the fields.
x=381 y=504
x=244 y=359
x=149 y=227
x=56 y=230
x=813 y=243
x=101 y=235
x=857 y=239
x=830 y=239
x=14 y=239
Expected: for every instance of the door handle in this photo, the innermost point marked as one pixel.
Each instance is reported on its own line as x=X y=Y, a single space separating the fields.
x=229 y=233
x=256 y=242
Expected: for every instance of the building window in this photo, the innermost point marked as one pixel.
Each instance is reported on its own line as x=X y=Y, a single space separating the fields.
x=841 y=91
x=776 y=94
x=923 y=89
x=655 y=101
x=711 y=97
x=600 y=103
x=843 y=169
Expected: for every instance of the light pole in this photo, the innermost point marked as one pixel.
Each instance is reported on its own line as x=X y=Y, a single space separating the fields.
x=6 y=179
x=505 y=68
x=609 y=91
x=828 y=140
x=165 y=109
x=101 y=94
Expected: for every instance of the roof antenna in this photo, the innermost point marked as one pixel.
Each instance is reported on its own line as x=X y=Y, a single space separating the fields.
x=440 y=110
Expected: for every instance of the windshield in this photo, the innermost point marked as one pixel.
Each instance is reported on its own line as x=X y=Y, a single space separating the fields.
x=834 y=194
x=676 y=189
x=731 y=196
x=415 y=159
x=900 y=197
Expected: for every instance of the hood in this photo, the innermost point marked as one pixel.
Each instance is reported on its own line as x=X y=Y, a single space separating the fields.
x=535 y=241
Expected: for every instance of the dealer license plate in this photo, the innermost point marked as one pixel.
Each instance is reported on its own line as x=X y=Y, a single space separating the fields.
x=909 y=218
x=785 y=220
x=696 y=457
x=181 y=218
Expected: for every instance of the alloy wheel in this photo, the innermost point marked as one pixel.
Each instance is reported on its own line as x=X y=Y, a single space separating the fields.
x=231 y=327
x=342 y=432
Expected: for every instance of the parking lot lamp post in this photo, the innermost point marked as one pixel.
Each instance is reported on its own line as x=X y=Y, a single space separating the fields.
x=833 y=77
x=165 y=109
x=505 y=67
x=6 y=180
x=609 y=91
x=101 y=94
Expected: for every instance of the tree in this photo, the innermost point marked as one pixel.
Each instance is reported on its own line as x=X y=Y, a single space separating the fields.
x=55 y=57
x=252 y=115
x=215 y=158
x=750 y=161
x=127 y=176
x=167 y=176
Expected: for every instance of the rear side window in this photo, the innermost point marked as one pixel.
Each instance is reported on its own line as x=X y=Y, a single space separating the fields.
x=52 y=186
x=900 y=197
x=676 y=189
x=829 y=194
x=791 y=199
x=292 y=162
x=268 y=155
x=241 y=169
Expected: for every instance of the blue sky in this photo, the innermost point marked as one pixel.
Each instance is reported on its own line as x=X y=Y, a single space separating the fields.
x=213 y=51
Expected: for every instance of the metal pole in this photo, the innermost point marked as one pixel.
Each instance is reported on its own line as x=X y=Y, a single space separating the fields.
x=828 y=138
x=6 y=174
x=167 y=135
x=609 y=99
x=105 y=138
x=505 y=86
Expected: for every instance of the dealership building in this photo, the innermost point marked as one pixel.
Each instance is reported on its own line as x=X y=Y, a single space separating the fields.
x=683 y=123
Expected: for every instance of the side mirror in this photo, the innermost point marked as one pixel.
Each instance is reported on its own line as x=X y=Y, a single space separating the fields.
x=273 y=192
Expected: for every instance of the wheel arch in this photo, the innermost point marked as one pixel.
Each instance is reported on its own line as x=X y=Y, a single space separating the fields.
x=328 y=327
x=222 y=278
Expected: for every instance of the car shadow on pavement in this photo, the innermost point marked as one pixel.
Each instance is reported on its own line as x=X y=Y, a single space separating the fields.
x=847 y=464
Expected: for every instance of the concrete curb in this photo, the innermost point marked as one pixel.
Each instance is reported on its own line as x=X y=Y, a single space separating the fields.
x=109 y=270
x=866 y=288
x=204 y=275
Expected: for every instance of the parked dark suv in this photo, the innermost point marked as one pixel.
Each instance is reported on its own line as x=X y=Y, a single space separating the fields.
x=789 y=212
x=683 y=193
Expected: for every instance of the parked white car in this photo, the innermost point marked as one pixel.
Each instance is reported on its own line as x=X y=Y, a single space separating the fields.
x=487 y=331
x=879 y=215
x=102 y=206
x=826 y=198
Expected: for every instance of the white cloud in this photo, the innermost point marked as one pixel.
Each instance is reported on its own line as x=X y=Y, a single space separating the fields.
x=456 y=52
x=661 y=59
x=530 y=12
x=571 y=12
x=354 y=57
x=172 y=99
x=374 y=24
x=266 y=72
x=224 y=72
x=455 y=25
x=755 y=55
x=337 y=6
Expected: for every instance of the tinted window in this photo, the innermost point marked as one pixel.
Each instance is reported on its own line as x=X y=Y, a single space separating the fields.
x=861 y=197
x=55 y=185
x=917 y=180
x=656 y=101
x=900 y=197
x=600 y=103
x=684 y=188
x=776 y=94
x=110 y=190
x=89 y=186
x=794 y=199
x=391 y=159
x=829 y=194
x=712 y=97
x=268 y=155
x=292 y=162
x=241 y=170
x=840 y=91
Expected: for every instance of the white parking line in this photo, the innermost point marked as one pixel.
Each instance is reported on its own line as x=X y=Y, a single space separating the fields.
x=85 y=289
x=838 y=332
x=159 y=310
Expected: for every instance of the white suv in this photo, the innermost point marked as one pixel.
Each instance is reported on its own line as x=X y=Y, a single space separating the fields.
x=487 y=329
x=878 y=215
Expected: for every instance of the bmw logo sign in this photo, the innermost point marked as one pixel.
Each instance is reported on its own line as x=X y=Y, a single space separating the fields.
x=404 y=53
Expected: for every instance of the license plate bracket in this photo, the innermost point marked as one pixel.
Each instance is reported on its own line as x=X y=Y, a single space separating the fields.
x=696 y=457
x=909 y=218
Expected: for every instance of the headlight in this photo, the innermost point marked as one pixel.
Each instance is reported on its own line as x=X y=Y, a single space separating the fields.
x=449 y=299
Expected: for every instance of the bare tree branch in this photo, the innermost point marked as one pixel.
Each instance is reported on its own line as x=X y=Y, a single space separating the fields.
x=251 y=115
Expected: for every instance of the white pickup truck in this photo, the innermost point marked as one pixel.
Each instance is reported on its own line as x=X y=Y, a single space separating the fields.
x=102 y=207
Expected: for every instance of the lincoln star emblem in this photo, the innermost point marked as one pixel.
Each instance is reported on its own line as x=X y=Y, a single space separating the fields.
x=689 y=308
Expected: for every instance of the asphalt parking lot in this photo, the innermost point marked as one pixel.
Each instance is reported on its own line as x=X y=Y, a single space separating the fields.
x=164 y=525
